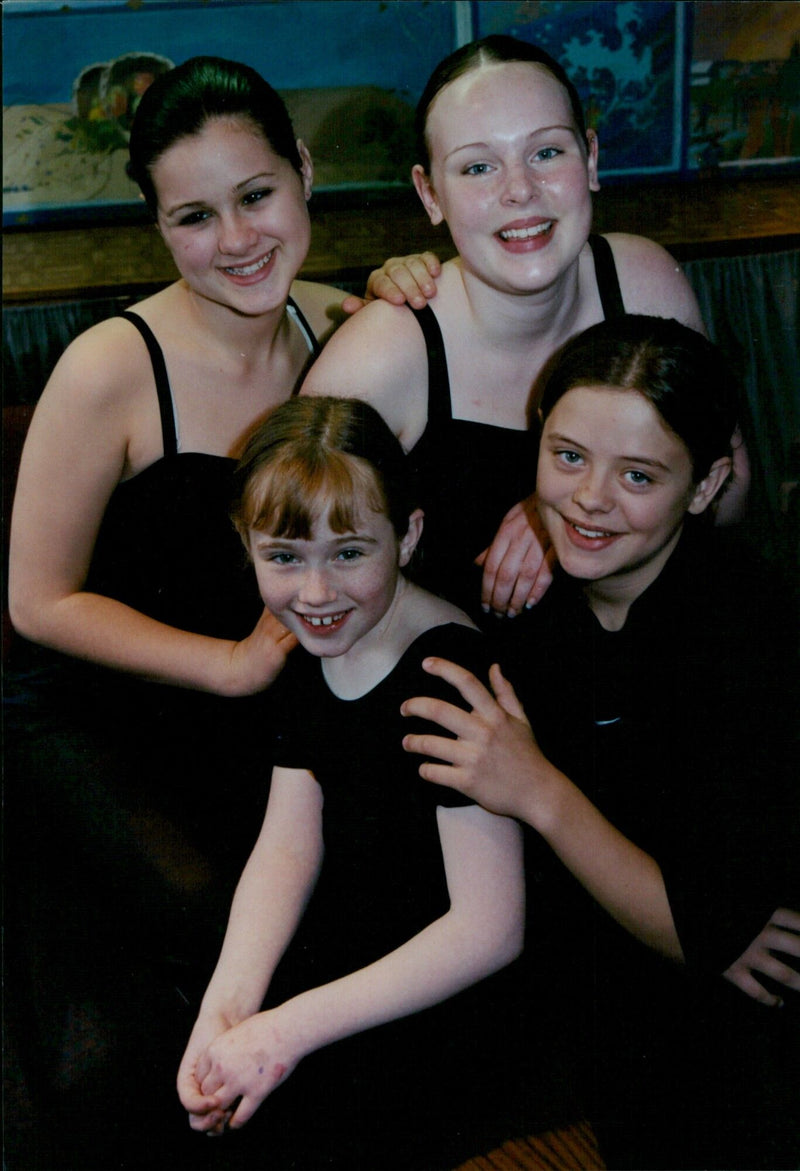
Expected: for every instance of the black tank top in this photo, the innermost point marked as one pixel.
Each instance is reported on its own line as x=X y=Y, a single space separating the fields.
x=166 y=545
x=467 y=474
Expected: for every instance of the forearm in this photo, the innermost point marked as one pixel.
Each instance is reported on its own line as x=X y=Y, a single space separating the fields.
x=624 y=879
x=440 y=961
x=270 y=898
x=105 y=631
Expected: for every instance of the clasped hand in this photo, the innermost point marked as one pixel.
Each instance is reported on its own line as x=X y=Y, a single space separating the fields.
x=223 y=1080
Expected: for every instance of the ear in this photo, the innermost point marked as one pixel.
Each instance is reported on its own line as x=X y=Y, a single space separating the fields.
x=709 y=487
x=594 y=153
x=411 y=539
x=425 y=191
x=306 y=168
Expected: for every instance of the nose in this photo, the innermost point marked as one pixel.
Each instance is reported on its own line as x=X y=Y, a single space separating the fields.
x=236 y=234
x=592 y=492
x=519 y=184
x=316 y=589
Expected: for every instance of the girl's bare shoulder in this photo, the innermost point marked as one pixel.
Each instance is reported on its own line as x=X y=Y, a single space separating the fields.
x=104 y=364
x=378 y=355
x=652 y=281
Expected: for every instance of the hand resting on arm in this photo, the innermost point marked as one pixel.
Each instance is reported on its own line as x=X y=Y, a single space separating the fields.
x=480 y=933
x=496 y=761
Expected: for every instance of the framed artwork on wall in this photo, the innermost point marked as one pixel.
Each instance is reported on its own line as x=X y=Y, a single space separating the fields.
x=745 y=85
x=671 y=88
x=627 y=61
x=350 y=73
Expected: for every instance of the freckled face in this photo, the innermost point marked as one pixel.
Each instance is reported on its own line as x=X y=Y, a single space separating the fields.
x=613 y=487
x=233 y=214
x=335 y=588
x=510 y=175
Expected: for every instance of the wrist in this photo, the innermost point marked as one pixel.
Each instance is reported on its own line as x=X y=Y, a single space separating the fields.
x=223 y=678
x=546 y=806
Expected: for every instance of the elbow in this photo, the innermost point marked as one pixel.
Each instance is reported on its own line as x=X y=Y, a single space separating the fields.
x=22 y=616
x=28 y=616
x=514 y=944
x=505 y=943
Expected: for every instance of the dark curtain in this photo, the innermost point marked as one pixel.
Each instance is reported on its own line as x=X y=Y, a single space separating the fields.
x=751 y=308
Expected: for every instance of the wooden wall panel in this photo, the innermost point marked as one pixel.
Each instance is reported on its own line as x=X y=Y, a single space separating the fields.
x=693 y=219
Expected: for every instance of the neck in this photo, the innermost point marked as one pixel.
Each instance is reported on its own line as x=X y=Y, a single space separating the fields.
x=369 y=660
x=528 y=320
x=244 y=335
x=611 y=598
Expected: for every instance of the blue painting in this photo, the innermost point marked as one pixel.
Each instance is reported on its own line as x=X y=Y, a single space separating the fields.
x=350 y=73
x=627 y=62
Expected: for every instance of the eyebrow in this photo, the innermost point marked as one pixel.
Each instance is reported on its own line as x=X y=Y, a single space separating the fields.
x=565 y=440
x=268 y=542
x=179 y=207
x=532 y=134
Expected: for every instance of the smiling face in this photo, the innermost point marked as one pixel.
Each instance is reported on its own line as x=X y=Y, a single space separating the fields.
x=233 y=214
x=334 y=589
x=613 y=487
x=509 y=174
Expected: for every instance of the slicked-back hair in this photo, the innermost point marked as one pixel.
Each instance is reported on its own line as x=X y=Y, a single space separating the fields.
x=491 y=50
x=181 y=101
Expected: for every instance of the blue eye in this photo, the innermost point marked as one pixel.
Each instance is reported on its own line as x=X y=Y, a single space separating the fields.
x=194 y=217
x=349 y=554
x=546 y=153
x=257 y=196
x=477 y=169
x=571 y=458
x=282 y=558
x=638 y=478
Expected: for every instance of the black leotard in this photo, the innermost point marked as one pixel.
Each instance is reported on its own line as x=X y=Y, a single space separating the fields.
x=469 y=474
x=166 y=546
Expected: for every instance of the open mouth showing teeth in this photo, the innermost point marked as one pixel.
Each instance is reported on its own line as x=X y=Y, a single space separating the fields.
x=328 y=620
x=525 y=233
x=249 y=269
x=592 y=533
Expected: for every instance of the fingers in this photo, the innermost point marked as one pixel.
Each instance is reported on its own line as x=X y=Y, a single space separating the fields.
x=438 y=711
x=273 y=627
x=471 y=689
x=440 y=747
x=745 y=981
x=778 y=971
x=510 y=568
x=244 y=1111
x=193 y=1100
x=505 y=694
x=544 y=579
x=351 y=304
x=405 y=279
x=212 y=1123
x=783 y=917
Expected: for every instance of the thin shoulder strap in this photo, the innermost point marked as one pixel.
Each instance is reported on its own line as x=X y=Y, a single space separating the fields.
x=306 y=330
x=607 y=280
x=440 y=406
x=163 y=388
